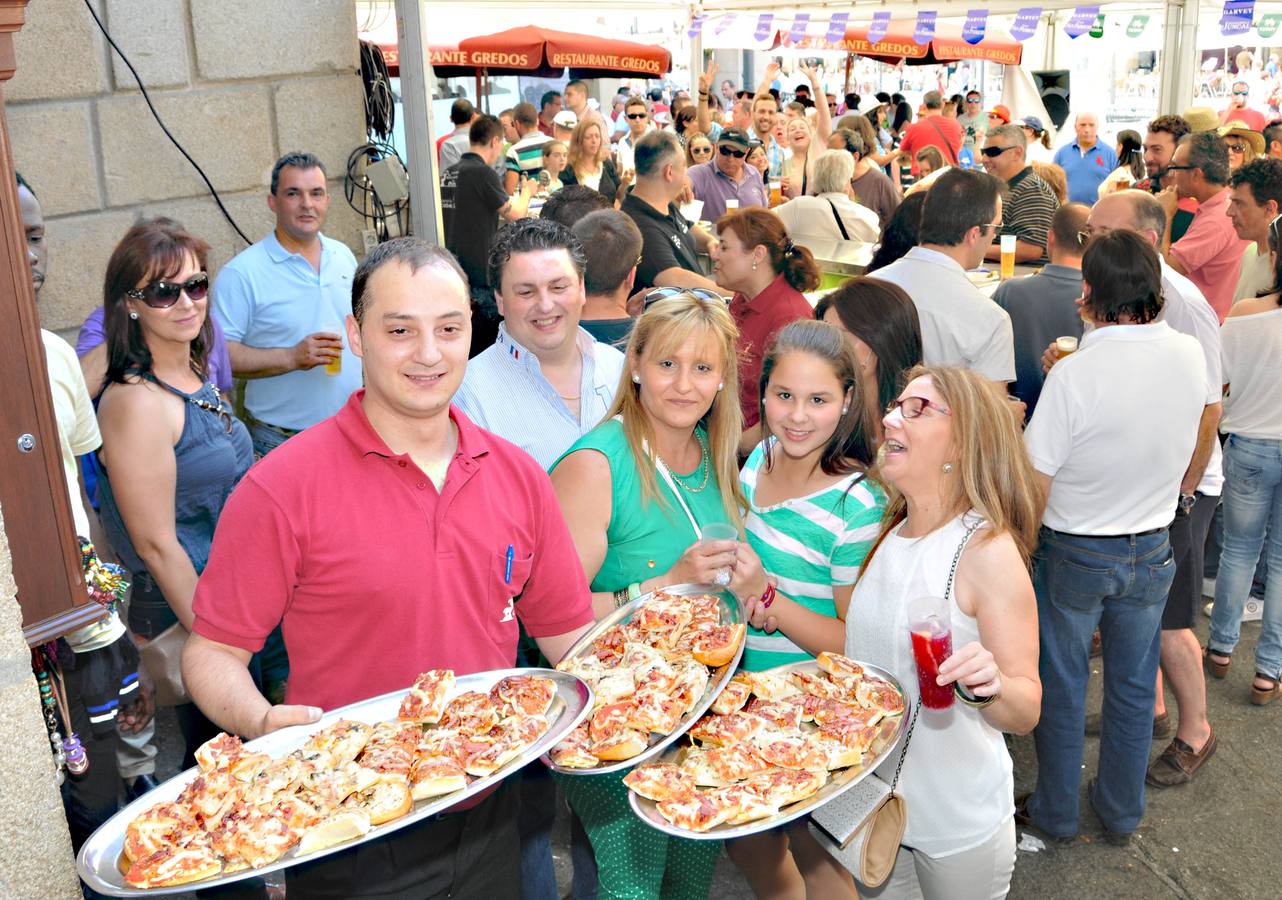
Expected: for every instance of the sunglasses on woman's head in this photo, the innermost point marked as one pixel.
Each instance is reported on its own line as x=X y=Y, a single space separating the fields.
x=664 y=293
x=162 y=294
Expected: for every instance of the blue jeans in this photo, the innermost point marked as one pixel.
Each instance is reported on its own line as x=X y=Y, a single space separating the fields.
x=1252 y=510
x=265 y=439
x=1118 y=585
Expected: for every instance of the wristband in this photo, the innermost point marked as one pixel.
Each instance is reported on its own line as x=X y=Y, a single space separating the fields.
x=970 y=699
x=767 y=596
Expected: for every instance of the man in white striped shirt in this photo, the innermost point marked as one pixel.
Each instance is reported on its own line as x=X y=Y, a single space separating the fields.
x=545 y=382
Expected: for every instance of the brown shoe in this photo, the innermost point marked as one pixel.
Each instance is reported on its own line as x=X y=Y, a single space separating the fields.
x=1264 y=696
x=1179 y=763
x=1216 y=668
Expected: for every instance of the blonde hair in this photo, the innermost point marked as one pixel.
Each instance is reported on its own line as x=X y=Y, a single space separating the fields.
x=991 y=471
x=666 y=325
x=1054 y=176
x=576 y=143
x=803 y=168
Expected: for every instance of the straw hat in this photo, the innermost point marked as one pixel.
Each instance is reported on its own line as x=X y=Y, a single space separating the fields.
x=1201 y=118
x=1239 y=129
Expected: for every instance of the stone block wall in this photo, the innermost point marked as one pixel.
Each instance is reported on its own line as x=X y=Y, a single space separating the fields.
x=237 y=82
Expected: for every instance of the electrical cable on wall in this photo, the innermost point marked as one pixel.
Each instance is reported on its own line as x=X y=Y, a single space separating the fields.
x=147 y=97
x=380 y=117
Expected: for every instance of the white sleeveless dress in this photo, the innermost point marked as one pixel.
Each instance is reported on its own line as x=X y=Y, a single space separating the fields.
x=957 y=778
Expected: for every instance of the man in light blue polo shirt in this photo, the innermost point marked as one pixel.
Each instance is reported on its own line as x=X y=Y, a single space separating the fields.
x=544 y=382
x=282 y=303
x=1085 y=161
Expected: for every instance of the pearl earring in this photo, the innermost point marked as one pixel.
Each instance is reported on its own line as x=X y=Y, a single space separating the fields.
x=948 y=467
x=636 y=379
x=721 y=386
x=132 y=314
x=845 y=409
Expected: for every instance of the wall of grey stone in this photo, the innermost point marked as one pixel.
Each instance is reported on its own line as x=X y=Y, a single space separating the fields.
x=36 y=861
x=238 y=83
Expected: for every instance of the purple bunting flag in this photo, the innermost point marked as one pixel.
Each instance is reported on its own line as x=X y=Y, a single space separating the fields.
x=696 y=26
x=764 y=23
x=1082 y=21
x=973 y=30
x=723 y=23
x=880 y=25
x=798 y=30
x=837 y=27
x=1025 y=23
x=925 y=29
x=1237 y=16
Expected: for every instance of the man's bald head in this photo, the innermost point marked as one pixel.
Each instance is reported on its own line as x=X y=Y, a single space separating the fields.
x=1137 y=211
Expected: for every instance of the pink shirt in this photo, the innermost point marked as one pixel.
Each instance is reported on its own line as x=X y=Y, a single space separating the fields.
x=376 y=576
x=1211 y=253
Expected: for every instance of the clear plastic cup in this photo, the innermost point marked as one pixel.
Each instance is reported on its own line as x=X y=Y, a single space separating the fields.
x=930 y=629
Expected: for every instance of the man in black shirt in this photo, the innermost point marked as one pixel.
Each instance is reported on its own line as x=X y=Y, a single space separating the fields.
x=472 y=200
x=670 y=244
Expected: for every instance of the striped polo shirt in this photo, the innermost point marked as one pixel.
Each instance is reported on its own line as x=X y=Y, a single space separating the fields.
x=809 y=544
x=1028 y=209
x=526 y=155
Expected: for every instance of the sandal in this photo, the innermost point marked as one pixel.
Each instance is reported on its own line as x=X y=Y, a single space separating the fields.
x=1262 y=696
x=1218 y=669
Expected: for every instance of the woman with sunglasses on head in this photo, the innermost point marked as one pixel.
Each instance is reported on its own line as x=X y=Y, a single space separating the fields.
x=768 y=273
x=699 y=149
x=172 y=449
x=636 y=492
x=881 y=325
x=960 y=527
x=812 y=516
x=590 y=163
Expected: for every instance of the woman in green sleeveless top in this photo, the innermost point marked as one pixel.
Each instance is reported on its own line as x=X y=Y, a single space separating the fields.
x=813 y=514
x=636 y=492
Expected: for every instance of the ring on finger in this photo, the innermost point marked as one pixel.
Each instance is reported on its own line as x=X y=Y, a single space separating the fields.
x=723 y=577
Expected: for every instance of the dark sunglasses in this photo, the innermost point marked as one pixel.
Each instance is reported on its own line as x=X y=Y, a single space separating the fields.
x=1235 y=147
x=994 y=152
x=638 y=115
x=164 y=294
x=912 y=407
x=1241 y=93
x=727 y=150
x=700 y=151
x=664 y=293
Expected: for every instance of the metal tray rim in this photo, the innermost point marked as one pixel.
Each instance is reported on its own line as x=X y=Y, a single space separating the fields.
x=648 y=812
x=715 y=683
x=100 y=853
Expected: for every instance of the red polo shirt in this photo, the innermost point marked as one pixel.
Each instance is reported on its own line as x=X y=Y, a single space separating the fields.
x=376 y=576
x=759 y=320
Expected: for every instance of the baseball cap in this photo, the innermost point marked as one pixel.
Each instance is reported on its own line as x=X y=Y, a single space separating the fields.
x=1002 y=112
x=736 y=136
x=565 y=118
x=1033 y=123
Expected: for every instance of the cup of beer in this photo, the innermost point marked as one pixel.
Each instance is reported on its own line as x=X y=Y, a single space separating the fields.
x=776 y=193
x=1008 y=256
x=335 y=365
x=732 y=204
x=1066 y=345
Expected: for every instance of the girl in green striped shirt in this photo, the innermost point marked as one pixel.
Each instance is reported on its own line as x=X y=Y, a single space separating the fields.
x=813 y=514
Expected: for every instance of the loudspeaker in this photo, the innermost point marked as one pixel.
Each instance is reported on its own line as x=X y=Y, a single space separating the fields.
x=1054 y=90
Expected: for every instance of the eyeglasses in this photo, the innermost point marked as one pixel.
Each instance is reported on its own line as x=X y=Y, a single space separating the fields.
x=1180 y=168
x=727 y=150
x=994 y=152
x=974 y=102
x=988 y=225
x=912 y=407
x=1241 y=93
x=664 y=293
x=1236 y=147
x=164 y=294
x=700 y=151
x=638 y=115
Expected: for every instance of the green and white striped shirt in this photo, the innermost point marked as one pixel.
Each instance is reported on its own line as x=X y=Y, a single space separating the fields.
x=809 y=544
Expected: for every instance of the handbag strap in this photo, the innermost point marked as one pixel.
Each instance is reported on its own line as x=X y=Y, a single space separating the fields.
x=841 y=226
x=949 y=147
x=671 y=482
x=948 y=593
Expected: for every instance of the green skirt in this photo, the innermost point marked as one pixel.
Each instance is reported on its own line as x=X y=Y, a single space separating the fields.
x=635 y=861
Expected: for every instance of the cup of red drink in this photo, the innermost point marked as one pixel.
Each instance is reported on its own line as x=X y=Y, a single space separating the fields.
x=932 y=636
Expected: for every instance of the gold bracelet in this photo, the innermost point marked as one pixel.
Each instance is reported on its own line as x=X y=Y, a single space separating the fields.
x=970 y=699
x=621 y=598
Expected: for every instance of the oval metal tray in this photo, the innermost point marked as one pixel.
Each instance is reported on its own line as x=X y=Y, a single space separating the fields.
x=731 y=614
x=838 y=783
x=98 y=859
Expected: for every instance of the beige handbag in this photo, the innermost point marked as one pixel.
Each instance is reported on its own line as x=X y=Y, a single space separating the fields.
x=863 y=827
x=162 y=655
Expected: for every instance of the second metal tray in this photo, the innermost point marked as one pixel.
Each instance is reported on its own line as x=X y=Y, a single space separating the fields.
x=731 y=614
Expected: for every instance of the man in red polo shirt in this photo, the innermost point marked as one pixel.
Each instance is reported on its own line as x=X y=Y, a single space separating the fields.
x=392 y=538
x=933 y=129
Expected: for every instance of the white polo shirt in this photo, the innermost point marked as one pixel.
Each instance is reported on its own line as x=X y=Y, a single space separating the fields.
x=1115 y=427
x=959 y=325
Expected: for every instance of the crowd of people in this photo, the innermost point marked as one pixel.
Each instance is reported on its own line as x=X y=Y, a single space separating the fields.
x=461 y=456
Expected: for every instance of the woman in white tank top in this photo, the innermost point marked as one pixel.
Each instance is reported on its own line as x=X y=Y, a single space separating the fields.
x=959 y=476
